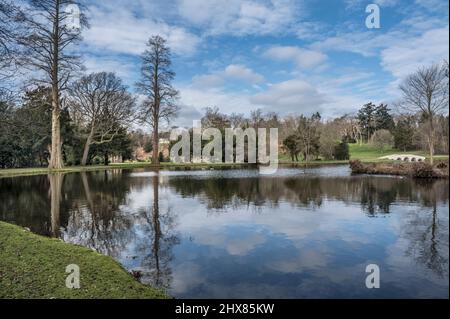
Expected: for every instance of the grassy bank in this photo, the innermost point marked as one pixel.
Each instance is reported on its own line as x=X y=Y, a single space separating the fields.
x=33 y=266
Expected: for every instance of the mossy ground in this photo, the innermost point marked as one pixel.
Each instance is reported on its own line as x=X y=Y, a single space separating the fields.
x=32 y=266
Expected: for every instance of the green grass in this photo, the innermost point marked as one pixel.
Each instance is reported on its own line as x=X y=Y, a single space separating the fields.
x=33 y=266
x=368 y=153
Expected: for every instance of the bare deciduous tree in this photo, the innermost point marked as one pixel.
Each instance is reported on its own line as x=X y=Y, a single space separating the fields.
x=382 y=140
x=426 y=91
x=156 y=85
x=5 y=28
x=9 y=16
x=47 y=49
x=104 y=106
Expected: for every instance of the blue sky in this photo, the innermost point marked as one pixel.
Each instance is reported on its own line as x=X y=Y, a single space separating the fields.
x=287 y=56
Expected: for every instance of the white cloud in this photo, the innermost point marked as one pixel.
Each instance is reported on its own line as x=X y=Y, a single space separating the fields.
x=243 y=73
x=127 y=70
x=434 y=5
x=303 y=58
x=187 y=115
x=227 y=102
x=417 y=41
x=310 y=31
x=293 y=96
x=329 y=96
x=352 y=4
x=208 y=80
x=408 y=55
x=231 y=72
x=115 y=27
x=240 y=17
x=364 y=43
x=386 y=3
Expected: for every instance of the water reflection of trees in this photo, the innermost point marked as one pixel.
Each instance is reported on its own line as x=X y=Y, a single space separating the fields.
x=90 y=209
x=426 y=231
x=56 y=182
x=160 y=224
x=100 y=220
x=375 y=194
x=27 y=201
x=95 y=219
x=95 y=210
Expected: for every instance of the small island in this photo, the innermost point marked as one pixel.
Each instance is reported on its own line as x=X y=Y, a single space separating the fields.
x=410 y=169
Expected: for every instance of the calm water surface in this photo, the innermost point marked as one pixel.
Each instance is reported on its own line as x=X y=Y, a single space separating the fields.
x=303 y=233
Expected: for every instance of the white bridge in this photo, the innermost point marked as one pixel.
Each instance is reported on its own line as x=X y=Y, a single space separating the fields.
x=404 y=158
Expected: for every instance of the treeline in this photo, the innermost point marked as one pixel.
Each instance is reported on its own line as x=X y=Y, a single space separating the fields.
x=312 y=138
x=25 y=135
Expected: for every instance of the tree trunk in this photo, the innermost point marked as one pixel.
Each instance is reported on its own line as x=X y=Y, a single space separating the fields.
x=56 y=154
x=87 y=147
x=106 y=158
x=155 y=155
x=431 y=140
x=56 y=161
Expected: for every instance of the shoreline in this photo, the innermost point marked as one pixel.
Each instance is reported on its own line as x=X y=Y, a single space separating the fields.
x=18 y=172
x=23 y=172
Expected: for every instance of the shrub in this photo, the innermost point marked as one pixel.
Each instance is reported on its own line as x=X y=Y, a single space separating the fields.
x=342 y=152
x=423 y=170
x=442 y=165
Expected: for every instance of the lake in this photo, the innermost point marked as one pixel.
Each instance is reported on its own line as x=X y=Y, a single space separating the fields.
x=302 y=233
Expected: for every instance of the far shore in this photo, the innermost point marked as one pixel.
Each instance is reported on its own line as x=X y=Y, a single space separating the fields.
x=14 y=172
x=364 y=153
x=182 y=166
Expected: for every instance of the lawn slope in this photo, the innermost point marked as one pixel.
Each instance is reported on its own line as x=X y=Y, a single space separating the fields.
x=33 y=266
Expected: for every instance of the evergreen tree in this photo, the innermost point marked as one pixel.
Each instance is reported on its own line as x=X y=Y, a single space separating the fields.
x=25 y=140
x=342 y=152
x=366 y=117
x=404 y=133
x=383 y=119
